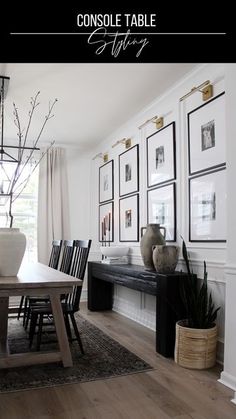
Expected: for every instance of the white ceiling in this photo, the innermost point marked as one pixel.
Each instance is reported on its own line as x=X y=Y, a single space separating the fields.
x=93 y=99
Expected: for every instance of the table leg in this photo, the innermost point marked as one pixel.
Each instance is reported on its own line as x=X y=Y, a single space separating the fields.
x=4 y=301
x=61 y=330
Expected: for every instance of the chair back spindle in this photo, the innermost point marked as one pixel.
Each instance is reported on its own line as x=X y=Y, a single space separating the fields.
x=55 y=254
x=67 y=256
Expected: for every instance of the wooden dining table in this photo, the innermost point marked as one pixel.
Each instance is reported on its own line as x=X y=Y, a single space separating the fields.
x=36 y=279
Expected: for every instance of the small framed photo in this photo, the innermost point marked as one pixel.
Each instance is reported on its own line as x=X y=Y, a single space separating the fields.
x=129 y=218
x=207 y=207
x=161 y=165
x=106 y=182
x=129 y=171
x=106 y=222
x=161 y=209
x=206 y=136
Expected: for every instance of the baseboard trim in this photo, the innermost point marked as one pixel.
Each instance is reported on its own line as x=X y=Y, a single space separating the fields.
x=84 y=295
x=228 y=380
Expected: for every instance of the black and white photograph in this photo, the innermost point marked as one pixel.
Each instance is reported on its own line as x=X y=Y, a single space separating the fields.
x=106 y=222
x=129 y=171
x=207 y=207
x=106 y=182
x=160 y=156
x=129 y=219
x=161 y=209
x=161 y=165
x=206 y=136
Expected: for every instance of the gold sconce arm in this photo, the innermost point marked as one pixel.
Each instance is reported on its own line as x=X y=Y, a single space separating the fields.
x=125 y=141
x=206 y=88
x=159 y=121
x=103 y=156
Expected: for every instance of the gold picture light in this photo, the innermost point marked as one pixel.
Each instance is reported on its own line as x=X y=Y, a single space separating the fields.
x=159 y=121
x=103 y=156
x=125 y=141
x=206 y=88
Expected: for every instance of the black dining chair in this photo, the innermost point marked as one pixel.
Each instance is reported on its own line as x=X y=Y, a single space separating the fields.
x=70 y=302
x=65 y=265
x=53 y=263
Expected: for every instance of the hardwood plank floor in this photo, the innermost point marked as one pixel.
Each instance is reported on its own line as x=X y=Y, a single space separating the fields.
x=167 y=392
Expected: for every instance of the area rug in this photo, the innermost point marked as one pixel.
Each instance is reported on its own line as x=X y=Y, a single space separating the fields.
x=104 y=358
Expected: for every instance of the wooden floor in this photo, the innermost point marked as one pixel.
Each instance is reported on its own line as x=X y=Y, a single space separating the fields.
x=167 y=392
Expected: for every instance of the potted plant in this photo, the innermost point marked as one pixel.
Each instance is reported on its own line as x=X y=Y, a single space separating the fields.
x=196 y=336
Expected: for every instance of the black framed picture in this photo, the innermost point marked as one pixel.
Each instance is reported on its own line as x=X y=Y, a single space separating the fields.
x=106 y=222
x=161 y=165
x=207 y=207
x=129 y=218
x=129 y=171
x=161 y=209
x=206 y=136
x=106 y=182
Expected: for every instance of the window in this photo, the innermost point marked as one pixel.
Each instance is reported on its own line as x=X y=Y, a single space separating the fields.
x=24 y=211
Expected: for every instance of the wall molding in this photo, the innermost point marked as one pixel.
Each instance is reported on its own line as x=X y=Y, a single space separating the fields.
x=228 y=380
x=134 y=312
x=230 y=269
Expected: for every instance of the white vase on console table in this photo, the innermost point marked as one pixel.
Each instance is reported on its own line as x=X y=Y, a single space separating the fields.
x=12 y=249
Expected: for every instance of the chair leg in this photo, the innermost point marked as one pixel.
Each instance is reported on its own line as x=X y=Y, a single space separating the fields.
x=77 y=332
x=33 y=323
x=40 y=327
x=20 y=307
x=25 y=312
x=27 y=317
x=67 y=324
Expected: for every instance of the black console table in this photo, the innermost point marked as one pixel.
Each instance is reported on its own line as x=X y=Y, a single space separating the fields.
x=169 y=308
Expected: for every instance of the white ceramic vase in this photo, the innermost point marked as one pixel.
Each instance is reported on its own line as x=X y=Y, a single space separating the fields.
x=12 y=249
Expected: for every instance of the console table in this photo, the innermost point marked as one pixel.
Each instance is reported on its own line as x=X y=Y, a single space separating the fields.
x=169 y=308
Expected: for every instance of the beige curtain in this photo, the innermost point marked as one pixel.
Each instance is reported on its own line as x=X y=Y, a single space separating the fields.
x=53 y=205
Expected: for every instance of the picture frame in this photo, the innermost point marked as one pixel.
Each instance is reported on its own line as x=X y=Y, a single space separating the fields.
x=207 y=207
x=206 y=136
x=106 y=223
x=161 y=209
x=161 y=159
x=129 y=171
x=129 y=218
x=106 y=182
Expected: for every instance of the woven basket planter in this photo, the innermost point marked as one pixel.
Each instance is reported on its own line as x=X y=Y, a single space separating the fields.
x=195 y=348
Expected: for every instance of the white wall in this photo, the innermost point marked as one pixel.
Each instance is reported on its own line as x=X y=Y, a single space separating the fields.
x=78 y=170
x=228 y=376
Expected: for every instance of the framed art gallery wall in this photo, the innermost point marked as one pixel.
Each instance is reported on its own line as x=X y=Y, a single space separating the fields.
x=160 y=157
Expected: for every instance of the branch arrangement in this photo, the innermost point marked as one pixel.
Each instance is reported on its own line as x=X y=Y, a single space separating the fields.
x=21 y=176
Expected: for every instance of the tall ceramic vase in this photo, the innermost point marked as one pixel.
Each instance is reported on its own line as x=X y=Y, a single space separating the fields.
x=151 y=236
x=12 y=249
